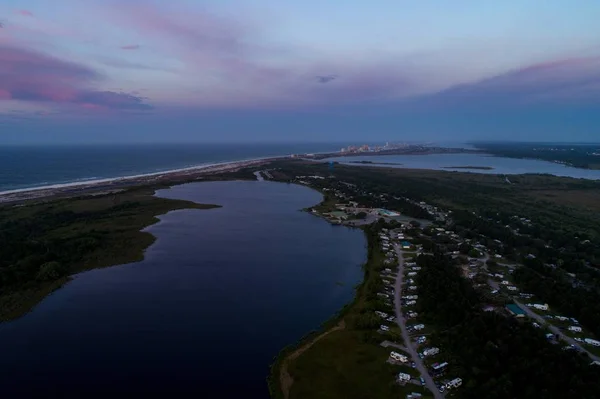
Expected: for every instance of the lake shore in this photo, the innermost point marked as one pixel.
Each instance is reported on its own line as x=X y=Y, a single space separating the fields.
x=469 y=167
x=102 y=230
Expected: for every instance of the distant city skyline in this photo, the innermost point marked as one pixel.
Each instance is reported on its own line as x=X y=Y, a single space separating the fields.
x=92 y=71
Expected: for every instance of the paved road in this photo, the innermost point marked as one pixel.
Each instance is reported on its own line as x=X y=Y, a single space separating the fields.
x=553 y=328
x=410 y=347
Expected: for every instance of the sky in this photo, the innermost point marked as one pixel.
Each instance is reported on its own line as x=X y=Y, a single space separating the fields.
x=101 y=71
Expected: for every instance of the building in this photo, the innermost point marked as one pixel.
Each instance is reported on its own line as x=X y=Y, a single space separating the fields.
x=515 y=310
x=455 y=383
x=431 y=351
x=397 y=357
x=539 y=306
x=403 y=378
x=575 y=328
x=592 y=342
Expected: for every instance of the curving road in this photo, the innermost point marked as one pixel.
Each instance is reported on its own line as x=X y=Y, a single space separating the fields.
x=410 y=347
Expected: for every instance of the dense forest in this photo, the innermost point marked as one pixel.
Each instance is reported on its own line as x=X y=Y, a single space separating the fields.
x=577 y=155
x=553 y=287
x=43 y=243
x=497 y=356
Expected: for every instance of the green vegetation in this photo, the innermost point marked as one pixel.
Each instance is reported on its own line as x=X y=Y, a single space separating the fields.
x=496 y=356
x=348 y=362
x=550 y=225
x=43 y=243
x=576 y=155
x=556 y=288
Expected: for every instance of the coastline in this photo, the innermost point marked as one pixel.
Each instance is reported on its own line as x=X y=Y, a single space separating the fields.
x=169 y=177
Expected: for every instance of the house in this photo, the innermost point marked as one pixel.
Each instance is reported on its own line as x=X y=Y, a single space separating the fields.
x=412 y=273
x=383 y=327
x=515 y=310
x=431 y=351
x=511 y=288
x=411 y=303
x=590 y=341
x=561 y=318
x=455 y=383
x=397 y=357
x=540 y=307
x=403 y=378
x=381 y=314
x=419 y=327
x=575 y=328
x=437 y=367
x=412 y=287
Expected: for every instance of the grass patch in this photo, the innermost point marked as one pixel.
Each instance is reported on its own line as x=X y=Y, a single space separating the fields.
x=347 y=363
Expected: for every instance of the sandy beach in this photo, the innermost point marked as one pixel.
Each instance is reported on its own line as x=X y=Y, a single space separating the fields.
x=119 y=183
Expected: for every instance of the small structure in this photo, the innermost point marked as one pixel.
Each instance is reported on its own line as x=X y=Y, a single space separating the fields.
x=539 y=306
x=403 y=378
x=515 y=310
x=431 y=351
x=455 y=383
x=397 y=357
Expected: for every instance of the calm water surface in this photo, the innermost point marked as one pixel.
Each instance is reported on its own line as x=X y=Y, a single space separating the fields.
x=218 y=295
x=501 y=165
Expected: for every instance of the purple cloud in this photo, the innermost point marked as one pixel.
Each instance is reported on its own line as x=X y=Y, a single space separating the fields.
x=131 y=47
x=27 y=75
x=559 y=81
x=239 y=70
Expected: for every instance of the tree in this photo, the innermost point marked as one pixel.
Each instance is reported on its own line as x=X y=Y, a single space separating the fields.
x=51 y=271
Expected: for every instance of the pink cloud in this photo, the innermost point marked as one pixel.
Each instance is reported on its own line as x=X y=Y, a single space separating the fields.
x=229 y=59
x=25 y=13
x=30 y=76
x=131 y=47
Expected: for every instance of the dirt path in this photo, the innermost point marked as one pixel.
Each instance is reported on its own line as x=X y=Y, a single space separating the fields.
x=285 y=379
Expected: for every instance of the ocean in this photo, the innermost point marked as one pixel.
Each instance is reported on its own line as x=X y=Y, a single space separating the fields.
x=24 y=167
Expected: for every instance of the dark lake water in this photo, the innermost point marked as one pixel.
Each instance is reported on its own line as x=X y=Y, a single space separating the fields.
x=500 y=165
x=218 y=295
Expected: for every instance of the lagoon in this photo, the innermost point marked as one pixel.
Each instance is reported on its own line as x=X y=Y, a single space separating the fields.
x=450 y=162
x=219 y=293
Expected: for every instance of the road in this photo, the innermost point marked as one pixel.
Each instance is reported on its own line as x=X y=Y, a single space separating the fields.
x=410 y=347
x=553 y=328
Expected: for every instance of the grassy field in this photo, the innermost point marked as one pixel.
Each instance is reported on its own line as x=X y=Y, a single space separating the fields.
x=43 y=243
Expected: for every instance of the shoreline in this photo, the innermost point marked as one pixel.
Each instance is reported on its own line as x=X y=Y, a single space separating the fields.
x=118 y=183
x=123 y=244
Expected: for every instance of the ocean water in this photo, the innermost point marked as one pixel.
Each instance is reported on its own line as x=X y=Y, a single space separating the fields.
x=218 y=295
x=35 y=166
